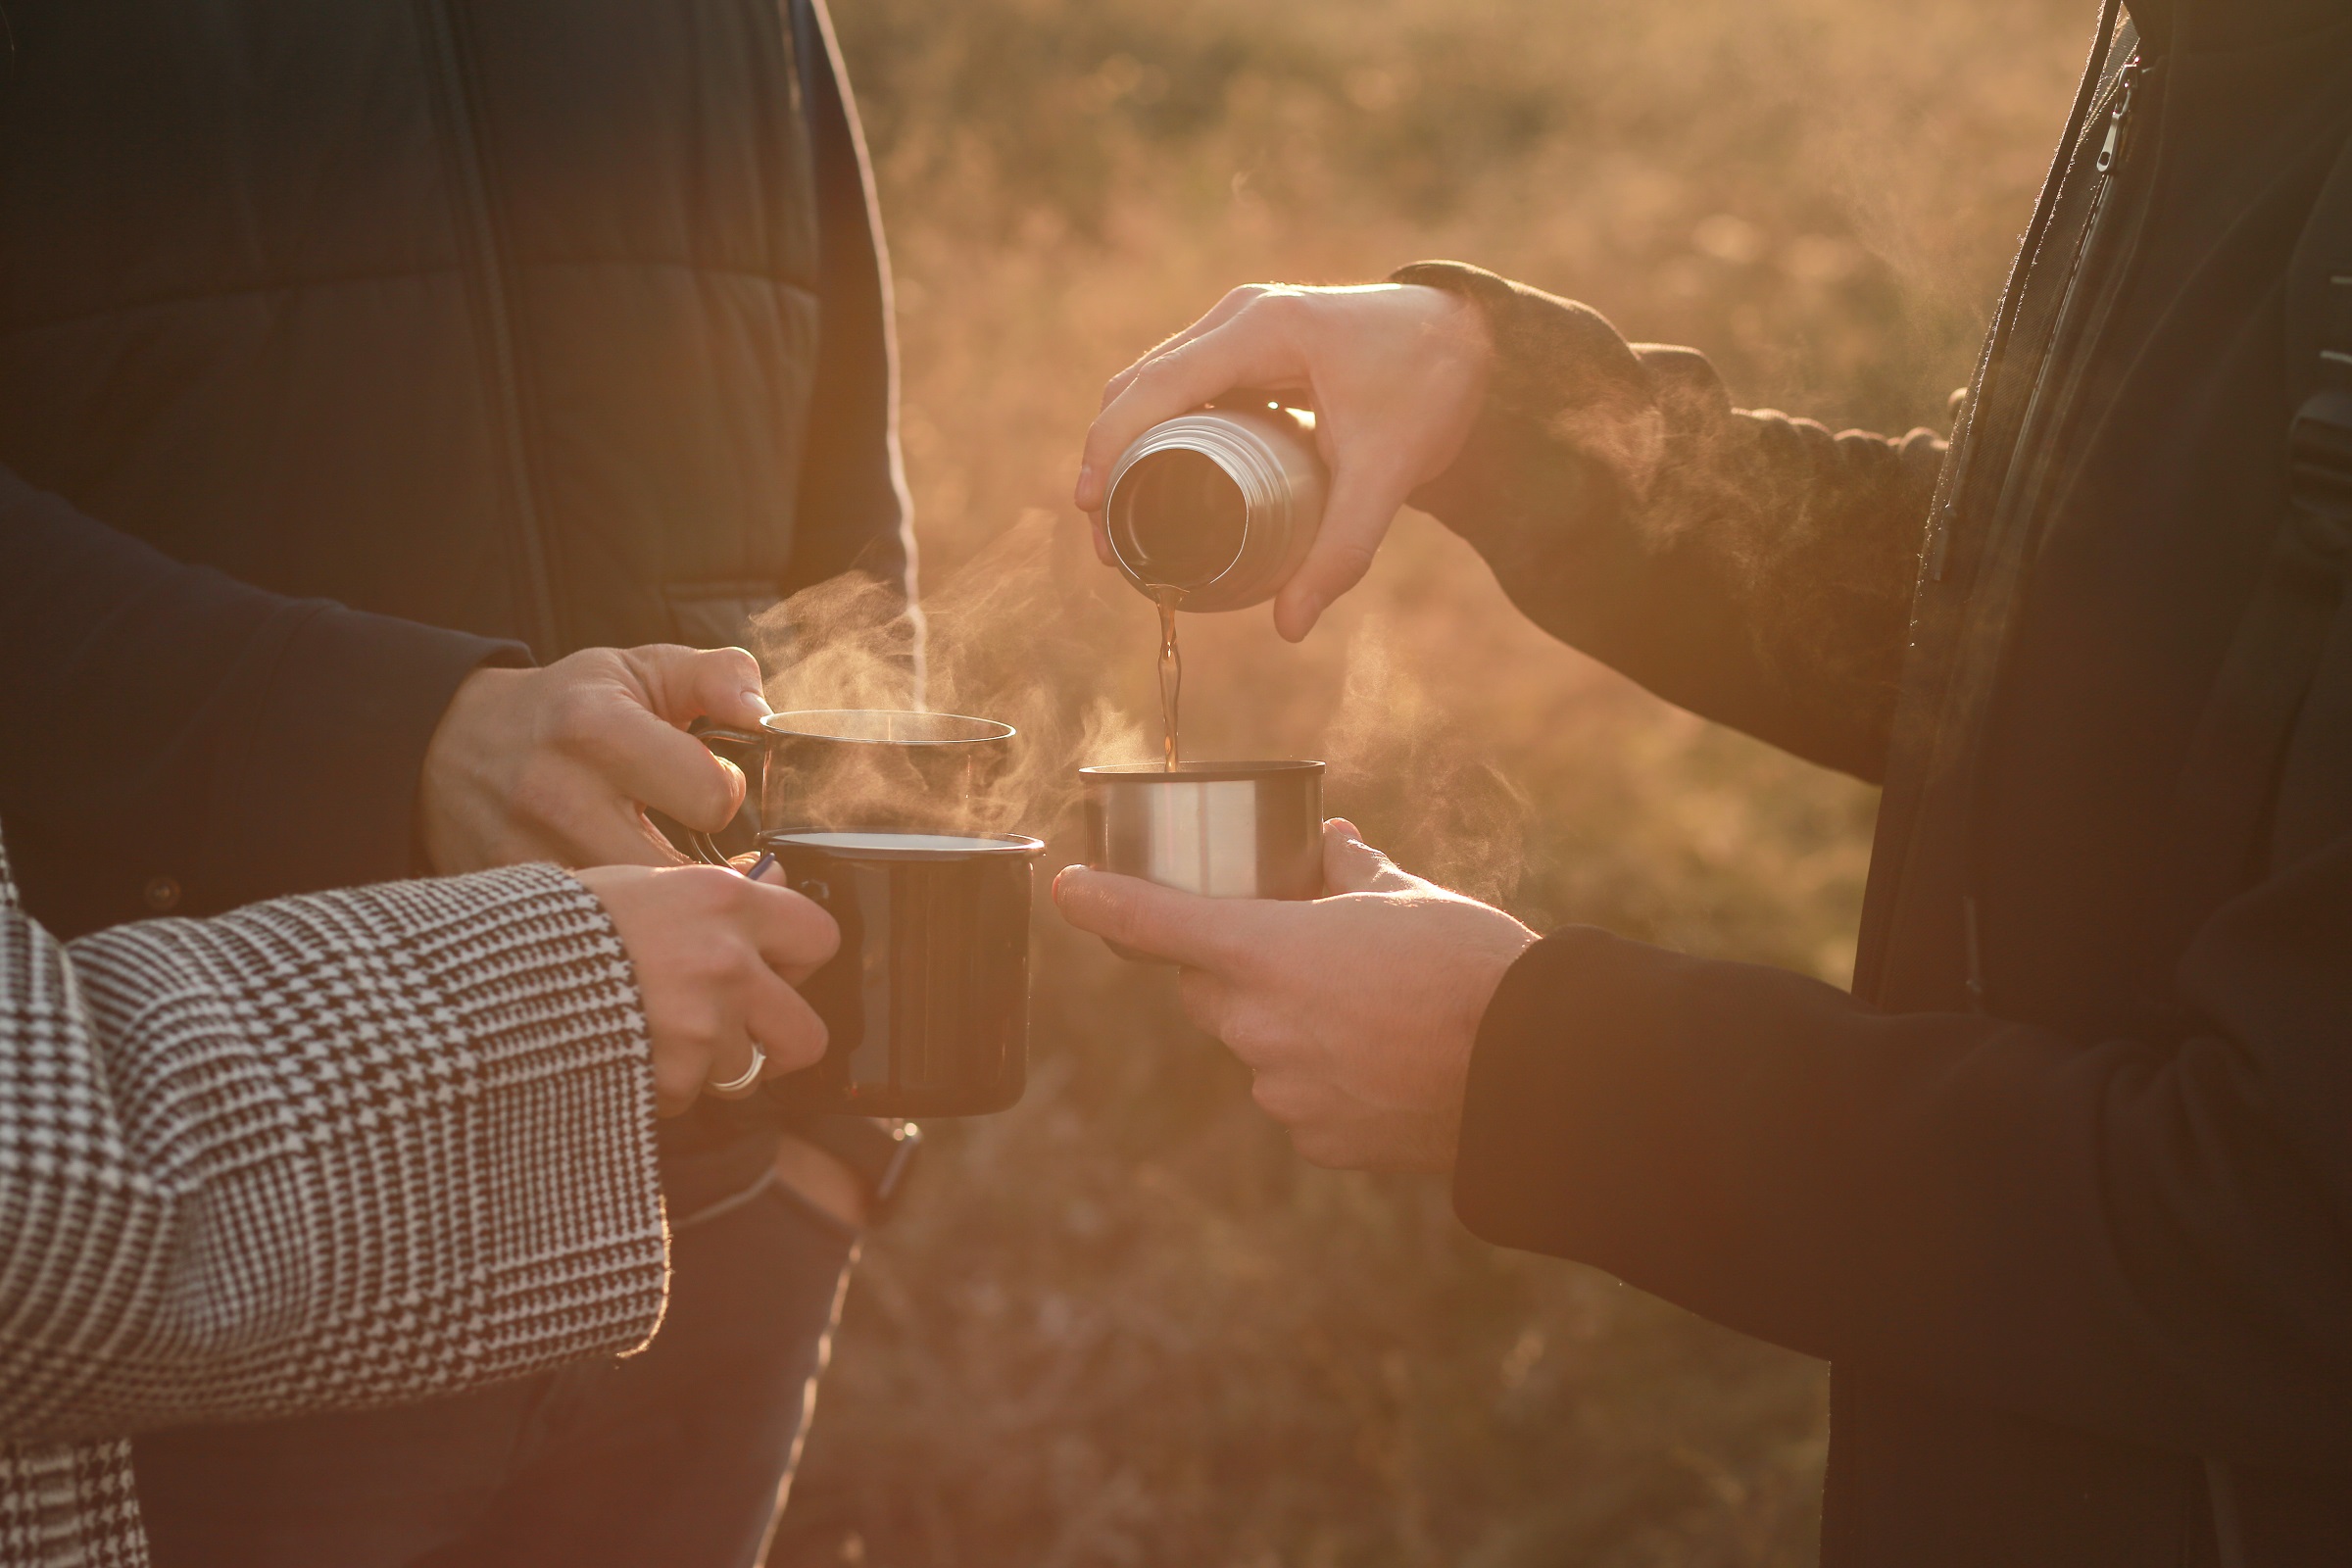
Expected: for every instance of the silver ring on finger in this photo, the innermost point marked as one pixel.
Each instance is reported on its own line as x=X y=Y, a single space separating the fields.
x=751 y=1075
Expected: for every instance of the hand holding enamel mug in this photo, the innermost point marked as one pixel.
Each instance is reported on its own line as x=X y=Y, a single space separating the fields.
x=717 y=955
x=560 y=763
x=1396 y=374
x=1357 y=1010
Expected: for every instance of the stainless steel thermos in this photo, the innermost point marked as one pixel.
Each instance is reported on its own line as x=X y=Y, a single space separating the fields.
x=1218 y=506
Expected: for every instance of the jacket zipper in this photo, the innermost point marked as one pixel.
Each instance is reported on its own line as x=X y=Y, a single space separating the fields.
x=2118 y=116
x=2022 y=493
x=485 y=285
x=2119 y=113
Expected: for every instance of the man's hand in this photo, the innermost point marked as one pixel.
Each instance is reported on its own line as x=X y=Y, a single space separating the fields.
x=717 y=956
x=1396 y=374
x=1356 y=1012
x=558 y=763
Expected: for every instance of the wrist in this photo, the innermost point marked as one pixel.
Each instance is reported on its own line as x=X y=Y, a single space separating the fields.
x=1556 y=367
x=457 y=772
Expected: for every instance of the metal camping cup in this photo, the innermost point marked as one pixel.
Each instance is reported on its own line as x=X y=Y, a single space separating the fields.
x=926 y=1006
x=1229 y=830
x=1220 y=505
x=862 y=767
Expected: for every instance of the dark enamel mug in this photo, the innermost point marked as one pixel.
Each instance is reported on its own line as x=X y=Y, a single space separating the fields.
x=836 y=768
x=926 y=1004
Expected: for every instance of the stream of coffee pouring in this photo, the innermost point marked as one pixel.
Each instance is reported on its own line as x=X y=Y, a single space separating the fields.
x=1171 y=669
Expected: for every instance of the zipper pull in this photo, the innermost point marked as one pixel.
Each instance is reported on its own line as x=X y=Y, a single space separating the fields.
x=2117 y=114
x=1976 y=954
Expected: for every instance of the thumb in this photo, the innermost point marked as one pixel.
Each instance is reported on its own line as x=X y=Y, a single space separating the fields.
x=1197 y=932
x=1364 y=499
x=1350 y=866
x=684 y=684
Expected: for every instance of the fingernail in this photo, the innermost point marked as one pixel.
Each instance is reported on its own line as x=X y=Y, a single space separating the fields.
x=757 y=699
x=1086 y=483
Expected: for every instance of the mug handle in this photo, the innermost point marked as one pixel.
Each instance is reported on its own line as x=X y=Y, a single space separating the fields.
x=704 y=845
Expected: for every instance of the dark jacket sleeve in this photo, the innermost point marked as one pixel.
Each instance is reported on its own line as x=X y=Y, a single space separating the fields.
x=2145 y=1238
x=1750 y=566
x=853 y=509
x=179 y=742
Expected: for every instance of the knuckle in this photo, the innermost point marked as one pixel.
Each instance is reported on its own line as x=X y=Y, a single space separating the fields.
x=712 y=797
x=1351 y=559
x=698 y=1024
x=537 y=796
x=810 y=1040
x=1276 y=306
x=730 y=892
x=675 y=1083
x=1248 y=1037
x=1276 y=1097
x=824 y=935
x=575 y=718
x=704 y=889
x=1319 y=1149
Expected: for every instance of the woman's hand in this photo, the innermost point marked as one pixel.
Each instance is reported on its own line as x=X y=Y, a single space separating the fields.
x=1394 y=372
x=717 y=956
x=558 y=763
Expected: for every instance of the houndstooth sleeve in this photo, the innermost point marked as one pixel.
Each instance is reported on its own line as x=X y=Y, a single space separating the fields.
x=353 y=1148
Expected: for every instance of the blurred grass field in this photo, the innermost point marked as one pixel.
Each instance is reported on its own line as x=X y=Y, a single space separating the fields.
x=1122 y=1324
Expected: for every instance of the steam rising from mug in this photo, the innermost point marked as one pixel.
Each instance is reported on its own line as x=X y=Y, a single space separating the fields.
x=997 y=640
x=1467 y=828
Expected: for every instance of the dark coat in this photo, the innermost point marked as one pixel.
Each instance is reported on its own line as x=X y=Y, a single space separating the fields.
x=503 y=319
x=2064 y=1188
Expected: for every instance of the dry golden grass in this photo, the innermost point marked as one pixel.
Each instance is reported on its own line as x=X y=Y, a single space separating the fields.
x=1121 y=1324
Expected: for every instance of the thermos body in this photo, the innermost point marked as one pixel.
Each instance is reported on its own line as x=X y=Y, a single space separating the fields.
x=1219 y=506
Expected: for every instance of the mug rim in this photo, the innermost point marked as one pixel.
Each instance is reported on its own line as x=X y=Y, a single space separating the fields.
x=784 y=725
x=1196 y=772
x=971 y=845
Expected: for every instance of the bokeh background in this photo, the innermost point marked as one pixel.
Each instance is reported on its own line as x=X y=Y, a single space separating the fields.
x=1122 y=1324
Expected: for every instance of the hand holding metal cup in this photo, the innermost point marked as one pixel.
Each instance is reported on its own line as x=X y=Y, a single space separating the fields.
x=1227 y=830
